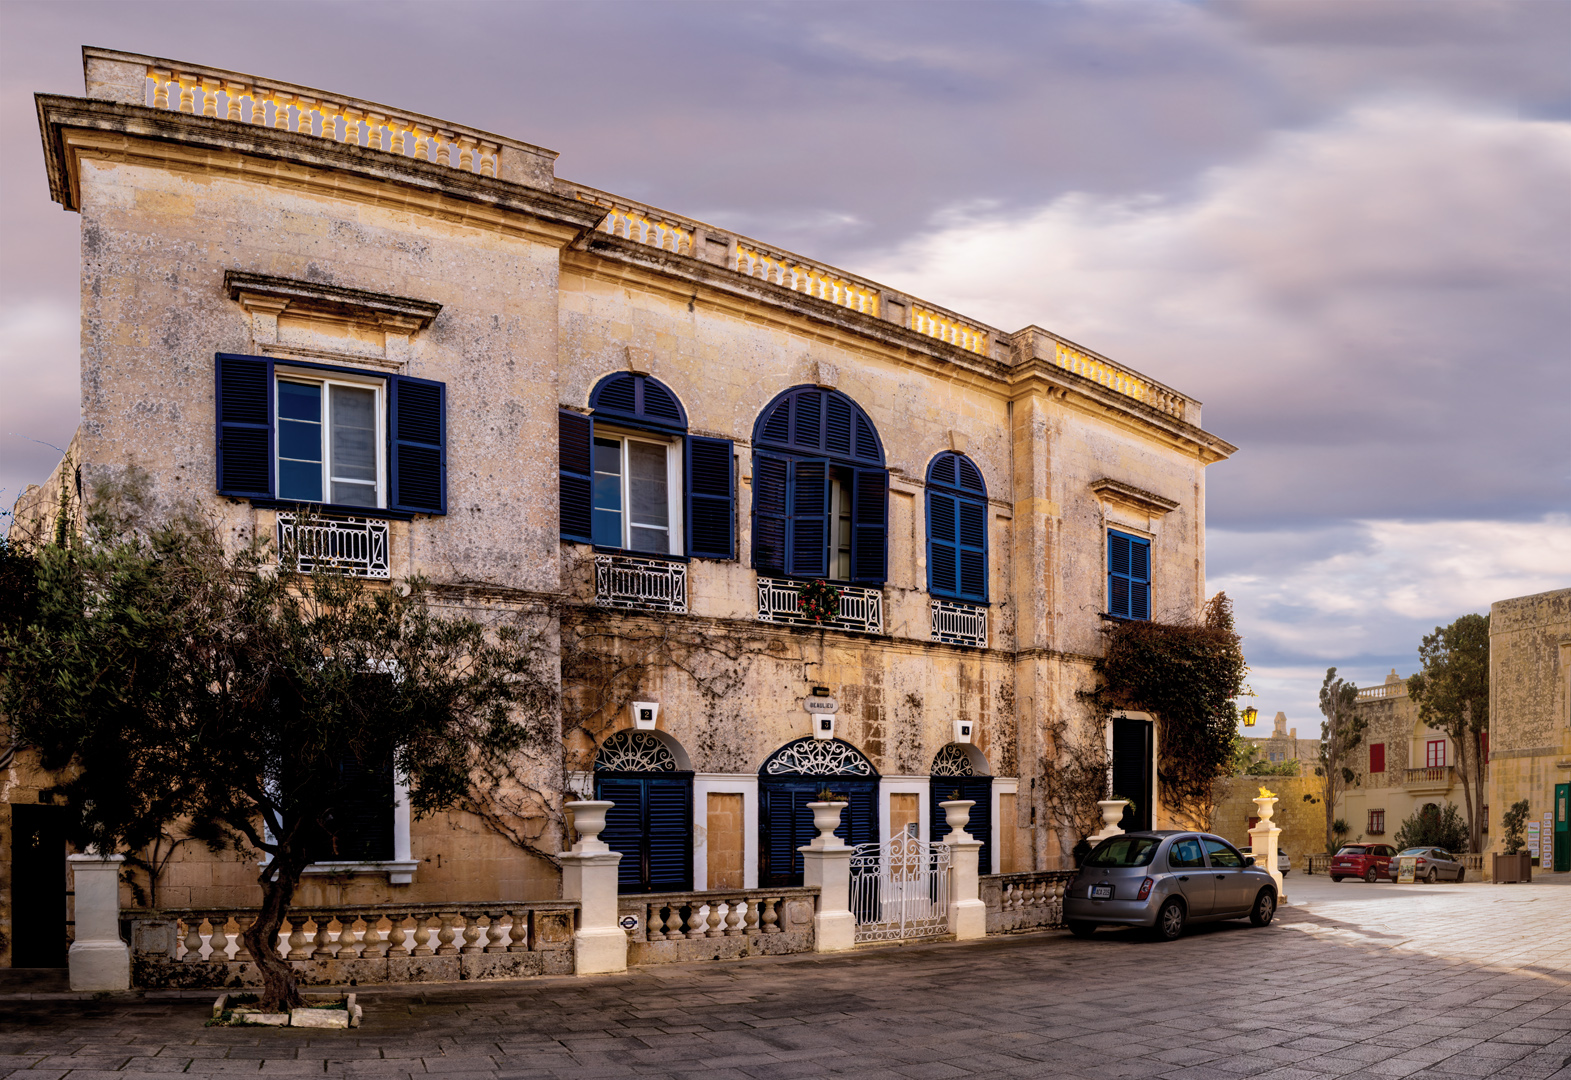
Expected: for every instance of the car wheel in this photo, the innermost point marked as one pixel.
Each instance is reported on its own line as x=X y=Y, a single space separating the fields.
x=1081 y=929
x=1170 y=921
x=1462 y=873
x=1434 y=875
x=1336 y=877
x=1370 y=875
x=1265 y=908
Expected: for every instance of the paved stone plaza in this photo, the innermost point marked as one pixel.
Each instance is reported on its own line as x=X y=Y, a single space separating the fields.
x=1381 y=980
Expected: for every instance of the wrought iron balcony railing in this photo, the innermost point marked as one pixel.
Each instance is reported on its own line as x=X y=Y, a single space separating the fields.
x=958 y=623
x=319 y=545
x=637 y=583
x=861 y=609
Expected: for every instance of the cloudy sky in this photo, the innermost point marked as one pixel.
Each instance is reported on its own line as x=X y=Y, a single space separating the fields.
x=1346 y=227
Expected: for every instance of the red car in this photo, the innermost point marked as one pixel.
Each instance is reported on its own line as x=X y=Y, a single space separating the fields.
x=1368 y=861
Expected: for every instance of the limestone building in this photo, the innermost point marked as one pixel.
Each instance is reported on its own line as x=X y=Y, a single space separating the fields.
x=1283 y=745
x=1530 y=718
x=647 y=433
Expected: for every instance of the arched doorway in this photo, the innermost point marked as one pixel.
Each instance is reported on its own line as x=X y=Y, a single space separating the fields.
x=646 y=775
x=962 y=768
x=791 y=778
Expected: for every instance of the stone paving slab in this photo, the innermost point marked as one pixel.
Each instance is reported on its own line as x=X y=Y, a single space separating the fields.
x=1353 y=980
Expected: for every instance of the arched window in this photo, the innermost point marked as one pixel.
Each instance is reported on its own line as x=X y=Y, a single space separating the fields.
x=820 y=489
x=956 y=529
x=651 y=821
x=791 y=778
x=633 y=480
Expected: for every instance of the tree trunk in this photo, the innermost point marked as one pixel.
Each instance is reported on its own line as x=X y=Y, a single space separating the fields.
x=280 y=992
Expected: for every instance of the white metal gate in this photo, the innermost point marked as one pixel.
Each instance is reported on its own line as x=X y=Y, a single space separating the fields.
x=900 y=889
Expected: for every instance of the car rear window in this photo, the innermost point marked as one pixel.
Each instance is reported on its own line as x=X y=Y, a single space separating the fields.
x=1353 y=850
x=1415 y=851
x=1123 y=851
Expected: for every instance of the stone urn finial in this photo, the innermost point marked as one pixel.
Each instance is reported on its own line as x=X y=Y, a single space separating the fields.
x=589 y=821
x=957 y=815
x=1266 y=803
x=826 y=819
x=1112 y=812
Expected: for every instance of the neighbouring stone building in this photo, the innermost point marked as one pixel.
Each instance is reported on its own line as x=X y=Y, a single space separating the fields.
x=1401 y=765
x=643 y=432
x=1283 y=745
x=1530 y=718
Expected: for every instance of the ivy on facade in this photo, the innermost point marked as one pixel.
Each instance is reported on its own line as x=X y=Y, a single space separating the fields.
x=1187 y=675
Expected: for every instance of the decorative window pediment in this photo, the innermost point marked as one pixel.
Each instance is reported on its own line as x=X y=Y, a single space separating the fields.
x=635 y=751
x=952 y=760
x=818 y=757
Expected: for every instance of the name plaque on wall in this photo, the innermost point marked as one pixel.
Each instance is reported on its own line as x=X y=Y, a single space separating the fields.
x=820 y=705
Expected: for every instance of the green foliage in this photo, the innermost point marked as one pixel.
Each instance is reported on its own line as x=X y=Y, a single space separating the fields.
x=1430 y=826
x=1248 y=762
x=1452 y=695
x=1514 y=822
x=1340 y=828
x=166 y=679
x=1340 y=732
x=1187 y=674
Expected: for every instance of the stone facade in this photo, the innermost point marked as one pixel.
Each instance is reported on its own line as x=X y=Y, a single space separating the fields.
x=1302 y=822
x=1529 y=707
x=210 y=227
x=1421 y=765
x=1283 y=744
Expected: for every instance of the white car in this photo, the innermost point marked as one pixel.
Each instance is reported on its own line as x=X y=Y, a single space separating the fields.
x=1284 y=865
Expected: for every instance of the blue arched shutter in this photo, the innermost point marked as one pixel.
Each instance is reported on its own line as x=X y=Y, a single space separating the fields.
x=417 y=433
x=711 y=498
x=243 y=400
x=771 y=482
x=870 y=527
x=809 y=550
x=575 y=440
x=943 y=550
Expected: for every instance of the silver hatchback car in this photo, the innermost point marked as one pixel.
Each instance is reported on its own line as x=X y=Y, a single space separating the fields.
x=1166 y=880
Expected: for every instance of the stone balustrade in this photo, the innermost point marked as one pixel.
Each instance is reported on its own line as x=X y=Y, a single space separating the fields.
x=642 y=224
x=389 y=943
x=666 y=928
x=948 y=327
x=793 y=272
x=1119 y=378
x=1030 y=901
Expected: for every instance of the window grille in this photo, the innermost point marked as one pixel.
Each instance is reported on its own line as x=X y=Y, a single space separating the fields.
x=959 y=624
x=355 y=546
x=1377 y=823
x=637 y=584
x=861 y=610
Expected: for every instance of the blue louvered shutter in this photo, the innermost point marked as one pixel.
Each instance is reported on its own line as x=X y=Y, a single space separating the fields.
x=972 y=535
x=771 y=483
x=979 y=789
x=943 y=551
x=809 y=534
x=243 y=401
x=417 y=434
x=1128 y=576
x=711 y=498
x=870 y=527
x=788 y=825
x=669 y=833
x=624 y=828
x=575 y=441
x=859 y=820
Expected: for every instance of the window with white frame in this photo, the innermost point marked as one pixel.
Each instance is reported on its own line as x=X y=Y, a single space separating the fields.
x=637 y=491
x=331 y=440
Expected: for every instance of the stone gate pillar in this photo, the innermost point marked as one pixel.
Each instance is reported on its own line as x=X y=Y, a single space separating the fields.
x=967 y=910
x=826 y=865
x=589 y=876
x=99 y=959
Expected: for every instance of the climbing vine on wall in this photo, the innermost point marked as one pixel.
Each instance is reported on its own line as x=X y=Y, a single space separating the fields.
x=1188 y=675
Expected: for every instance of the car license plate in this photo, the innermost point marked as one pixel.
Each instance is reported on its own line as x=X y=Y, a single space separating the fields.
x=1101 y=892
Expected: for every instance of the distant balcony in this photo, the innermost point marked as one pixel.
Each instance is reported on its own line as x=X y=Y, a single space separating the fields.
x=333 y=545
x=958 y=623
x=638 y=583
x=861 y=610
x=1435 y=778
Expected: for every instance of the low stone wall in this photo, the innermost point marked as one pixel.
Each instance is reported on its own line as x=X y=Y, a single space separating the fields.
x=670 y=928
x=1021 y=902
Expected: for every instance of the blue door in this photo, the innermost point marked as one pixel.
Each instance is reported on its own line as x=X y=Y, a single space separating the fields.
x=791 y=778
x=651 y=824
x=979 y=789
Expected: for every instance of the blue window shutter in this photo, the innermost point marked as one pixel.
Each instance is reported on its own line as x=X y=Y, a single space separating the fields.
x=575 y=441
x=624 y=828
x=771 y=482
x=1139 y=579
x=809 y=536
x=243 y=404
x=943 y=553
x=1128 y=576
x=417 y=433
x=711 y=498
x=973 y=549
x=669 y=833
x=870 y=526
x=979 y=789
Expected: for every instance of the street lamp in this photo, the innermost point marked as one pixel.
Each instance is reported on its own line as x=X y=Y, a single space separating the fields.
x=1250 y=715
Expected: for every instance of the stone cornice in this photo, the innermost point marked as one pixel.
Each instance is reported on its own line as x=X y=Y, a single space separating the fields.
x=1145 y=501
x=59 y=115
x=291 y=293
